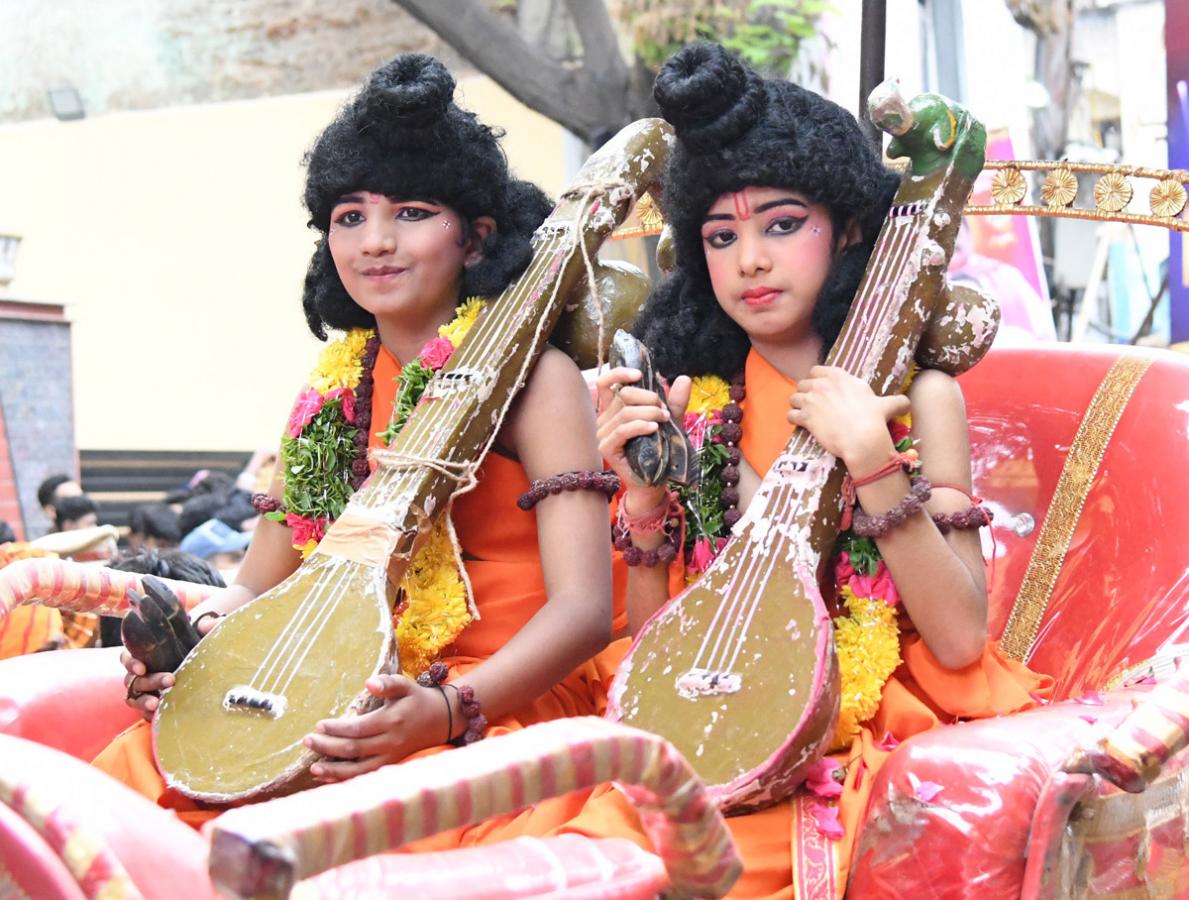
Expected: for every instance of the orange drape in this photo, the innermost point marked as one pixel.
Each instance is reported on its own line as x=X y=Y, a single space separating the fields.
x=27 y=629
x=505 y=571
x=921 y=695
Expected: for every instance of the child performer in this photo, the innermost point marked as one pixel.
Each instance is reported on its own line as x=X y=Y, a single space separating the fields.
x=776 y=199
x=417 y=212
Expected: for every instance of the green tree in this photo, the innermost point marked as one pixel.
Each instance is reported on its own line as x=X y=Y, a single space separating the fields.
x=589 y=64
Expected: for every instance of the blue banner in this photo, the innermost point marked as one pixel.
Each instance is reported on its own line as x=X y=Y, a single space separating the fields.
x=1176 y=36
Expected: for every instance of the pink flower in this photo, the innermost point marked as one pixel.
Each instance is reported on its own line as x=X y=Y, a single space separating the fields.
x=924 y=791
x=1090 y=719
x=878 y=585
x=307 y=406
x=346 y=398
x=695 y=425
x=843 y=570
x=826 y=820
x=435 y=354
x=888 y=742
x=898 y=430
x=701 y=556
x=824 y=778
x=306 y=529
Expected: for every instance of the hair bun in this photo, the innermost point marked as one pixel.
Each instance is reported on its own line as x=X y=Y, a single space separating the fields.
x=414 y=91
x=709 y=96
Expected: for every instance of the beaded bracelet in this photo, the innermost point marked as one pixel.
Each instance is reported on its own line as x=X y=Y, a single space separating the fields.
x=666 y=517
x=973 y=517
x=877 y=526
x=476 y=722
x=584 y=480
x=433 y=677
x=266 y=503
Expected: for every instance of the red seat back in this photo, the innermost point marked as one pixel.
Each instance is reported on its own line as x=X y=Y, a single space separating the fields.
x=1121 y=587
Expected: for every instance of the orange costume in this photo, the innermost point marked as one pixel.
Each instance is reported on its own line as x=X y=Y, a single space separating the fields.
x=509 y=588
x=784 y=853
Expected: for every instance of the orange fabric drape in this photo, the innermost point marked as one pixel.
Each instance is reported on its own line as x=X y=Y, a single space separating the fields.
x=27 y=629
x=921 y=695
x=505 y=571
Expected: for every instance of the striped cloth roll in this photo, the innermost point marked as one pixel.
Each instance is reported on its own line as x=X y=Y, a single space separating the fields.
x=269 y=847
x=95 y=868
x=1132 y=756
x=80 y=588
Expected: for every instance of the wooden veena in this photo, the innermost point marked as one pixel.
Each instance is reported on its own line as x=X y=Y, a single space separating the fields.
x=231 y=727
x=739 y=671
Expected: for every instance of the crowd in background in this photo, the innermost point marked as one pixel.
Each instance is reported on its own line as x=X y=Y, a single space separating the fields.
x=196 y=533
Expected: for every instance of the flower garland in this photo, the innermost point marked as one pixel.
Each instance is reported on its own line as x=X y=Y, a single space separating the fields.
x=868 y=637
x=324 y=452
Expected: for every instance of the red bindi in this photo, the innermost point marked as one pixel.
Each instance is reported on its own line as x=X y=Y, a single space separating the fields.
x=742 y=210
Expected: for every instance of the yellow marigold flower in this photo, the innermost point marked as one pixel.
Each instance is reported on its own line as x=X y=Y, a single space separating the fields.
x=339 y=363
x=464 y=319
x=307 y=548
x=436 y=611
x=708 y=393
x=868 y=642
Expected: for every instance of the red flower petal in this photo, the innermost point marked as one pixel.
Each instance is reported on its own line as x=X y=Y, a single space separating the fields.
x=1090 y=698
x=888 y=742
x=1038 y=699
x=1090 y=719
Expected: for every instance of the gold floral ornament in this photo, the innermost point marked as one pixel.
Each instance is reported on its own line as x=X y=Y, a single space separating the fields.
x=1059 y=188
x=648 y=213
x=1167 y=198
x=1112 y=192
x=1008 y=186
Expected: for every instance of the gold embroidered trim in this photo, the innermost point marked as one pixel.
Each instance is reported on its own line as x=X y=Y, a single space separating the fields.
x=1065 y=509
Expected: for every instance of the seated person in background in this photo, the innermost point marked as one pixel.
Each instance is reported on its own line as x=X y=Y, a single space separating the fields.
x=231 y=506
x=216 y=541
x=74 y=513
x=257 y=475
x=53 y=489
x=153 y=526
x=175 y=564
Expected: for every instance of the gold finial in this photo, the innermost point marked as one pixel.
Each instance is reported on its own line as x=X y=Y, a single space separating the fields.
x=1112 y=192
x=1008 y=186
x=1059 y=188
x=1167 y=198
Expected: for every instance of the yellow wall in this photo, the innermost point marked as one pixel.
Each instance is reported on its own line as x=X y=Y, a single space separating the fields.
x=177 y=240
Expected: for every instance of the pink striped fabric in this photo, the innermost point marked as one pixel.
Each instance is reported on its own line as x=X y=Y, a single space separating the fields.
x=78 y=587
x=1132 y=756
x=94 y=866
x=269 y=847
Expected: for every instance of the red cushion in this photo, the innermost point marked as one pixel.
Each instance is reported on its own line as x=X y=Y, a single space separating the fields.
x=1122 y=591
x=71 y=700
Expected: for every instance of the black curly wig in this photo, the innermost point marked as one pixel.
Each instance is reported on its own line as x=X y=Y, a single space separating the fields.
x=403 y=136
x=735 y=130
